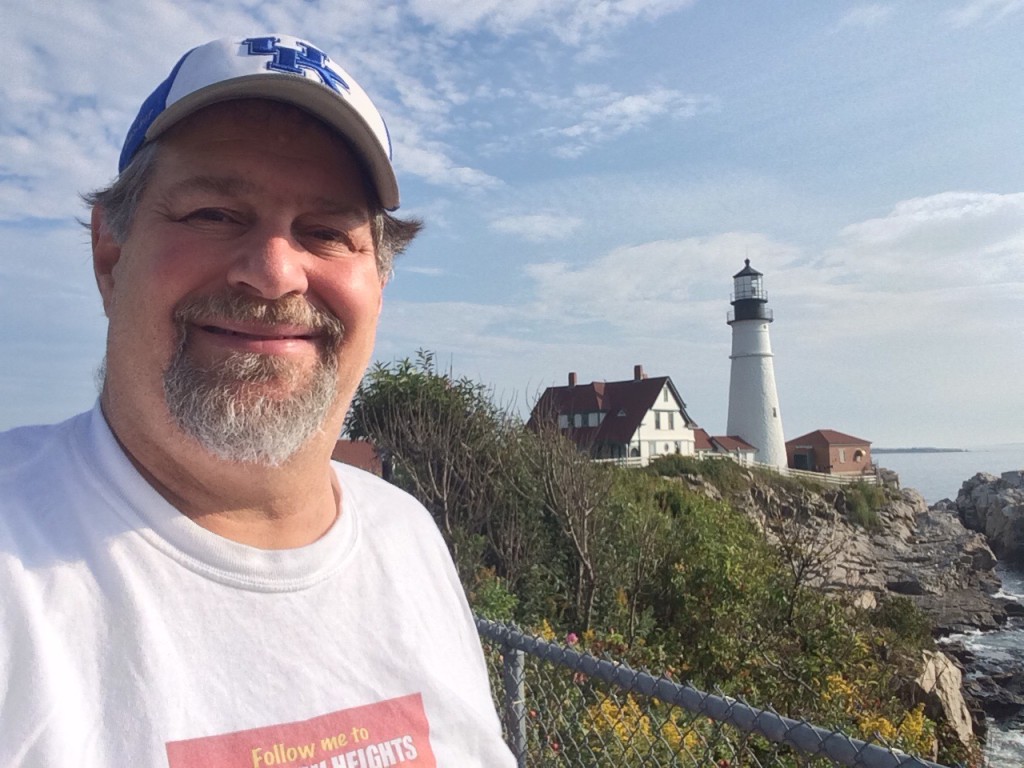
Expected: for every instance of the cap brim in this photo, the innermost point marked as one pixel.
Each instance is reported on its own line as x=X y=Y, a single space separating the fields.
x=306 y=95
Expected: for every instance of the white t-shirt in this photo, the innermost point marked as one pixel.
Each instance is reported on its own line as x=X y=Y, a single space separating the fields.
x=129 y=635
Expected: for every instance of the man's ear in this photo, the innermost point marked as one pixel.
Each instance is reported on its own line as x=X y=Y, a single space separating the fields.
x=106 y=252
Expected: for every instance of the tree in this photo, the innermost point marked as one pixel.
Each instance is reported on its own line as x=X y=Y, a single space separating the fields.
x=641 y=541
x=444 y=437
x=575 y=492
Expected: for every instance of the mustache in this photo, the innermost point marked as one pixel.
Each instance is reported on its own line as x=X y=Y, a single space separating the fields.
x=289 y=310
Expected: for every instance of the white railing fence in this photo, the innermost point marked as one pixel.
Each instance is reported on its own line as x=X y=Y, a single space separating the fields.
x=869 y=477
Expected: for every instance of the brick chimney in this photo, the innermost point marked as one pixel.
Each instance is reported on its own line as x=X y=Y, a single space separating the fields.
x=572 y=378
x=638 y=373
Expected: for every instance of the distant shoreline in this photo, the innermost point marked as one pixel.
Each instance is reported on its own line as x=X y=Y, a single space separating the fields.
x=919 y=450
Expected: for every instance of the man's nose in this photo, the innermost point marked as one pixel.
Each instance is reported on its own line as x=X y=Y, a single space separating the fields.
x=270 y=265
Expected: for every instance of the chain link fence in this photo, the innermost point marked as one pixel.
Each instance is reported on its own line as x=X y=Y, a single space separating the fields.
x=565 y=709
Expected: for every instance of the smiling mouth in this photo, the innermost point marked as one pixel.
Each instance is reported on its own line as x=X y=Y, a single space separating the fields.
x=257 y=336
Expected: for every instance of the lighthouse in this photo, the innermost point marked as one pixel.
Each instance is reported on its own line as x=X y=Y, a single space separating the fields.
x=754 y=413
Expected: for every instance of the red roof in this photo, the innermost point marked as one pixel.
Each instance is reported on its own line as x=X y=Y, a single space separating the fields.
x=702 y=440
x=624 y=403
x=731 y=443
x=358 y=453
x=831 y=437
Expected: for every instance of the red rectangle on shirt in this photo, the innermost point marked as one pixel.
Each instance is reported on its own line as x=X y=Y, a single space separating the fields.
x=389 y=733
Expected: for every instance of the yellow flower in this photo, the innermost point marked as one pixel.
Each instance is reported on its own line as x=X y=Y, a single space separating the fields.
x=545 y=632
x=625 y=721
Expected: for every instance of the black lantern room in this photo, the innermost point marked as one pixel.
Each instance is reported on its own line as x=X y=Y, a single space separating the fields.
x=749 y=298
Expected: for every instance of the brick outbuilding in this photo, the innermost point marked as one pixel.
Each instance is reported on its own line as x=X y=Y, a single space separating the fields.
x=830 y=452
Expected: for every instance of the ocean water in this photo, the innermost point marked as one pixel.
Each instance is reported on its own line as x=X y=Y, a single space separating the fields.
x=939 y=476
x=1005 y=747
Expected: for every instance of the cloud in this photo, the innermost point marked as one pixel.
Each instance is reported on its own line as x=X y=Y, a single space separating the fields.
x=538 y=227
x=465 y=327
x=983 y=11
x=647 y=287
x=948 y=240
x=933 y=269
x=605 y=114
x=571 y=21
x=866 y=15
x=427 y=271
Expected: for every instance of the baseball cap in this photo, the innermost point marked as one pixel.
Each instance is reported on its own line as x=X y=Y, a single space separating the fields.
x=277 y=67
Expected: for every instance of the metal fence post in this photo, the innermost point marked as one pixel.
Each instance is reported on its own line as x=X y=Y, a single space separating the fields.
x=514 y=680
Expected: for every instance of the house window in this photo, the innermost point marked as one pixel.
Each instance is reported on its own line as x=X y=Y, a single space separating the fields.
x=654 y=448
x=842 y=455
x=664 y=394
x=577 y=420
x=657 y=419
x=592 y=420
x=563 y=421
x=671 y=420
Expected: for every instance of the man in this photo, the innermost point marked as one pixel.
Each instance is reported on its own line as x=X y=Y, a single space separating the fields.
x=186 y=578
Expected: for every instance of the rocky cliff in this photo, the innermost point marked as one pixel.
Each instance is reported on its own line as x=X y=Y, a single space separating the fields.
x=925 y=554
x=903 y=547
x=994 y=506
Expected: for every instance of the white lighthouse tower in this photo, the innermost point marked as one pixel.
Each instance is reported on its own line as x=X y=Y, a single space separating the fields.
x=754 y=413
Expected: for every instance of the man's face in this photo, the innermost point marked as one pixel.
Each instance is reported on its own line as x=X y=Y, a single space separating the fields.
x=243 y=304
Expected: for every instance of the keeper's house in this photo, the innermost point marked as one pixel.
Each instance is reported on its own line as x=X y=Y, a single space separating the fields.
x=637 y=419
x=830 y=452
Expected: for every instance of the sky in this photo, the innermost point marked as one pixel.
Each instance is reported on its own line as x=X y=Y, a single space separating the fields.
x=592 y=174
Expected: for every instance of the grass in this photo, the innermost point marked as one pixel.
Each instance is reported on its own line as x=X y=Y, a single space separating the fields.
x=862 y=504
x=726 y=475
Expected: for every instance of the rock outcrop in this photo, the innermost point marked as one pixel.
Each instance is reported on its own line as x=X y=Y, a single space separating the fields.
x=994 y=506
x=993 y=688
x=940 y=687
x=924 y=554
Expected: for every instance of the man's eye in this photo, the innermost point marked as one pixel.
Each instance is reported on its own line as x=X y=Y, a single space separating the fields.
x=328 y=235
x=331 y=237
x=212 y=215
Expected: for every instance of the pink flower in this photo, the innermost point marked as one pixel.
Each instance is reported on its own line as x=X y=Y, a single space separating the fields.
x=571 y=638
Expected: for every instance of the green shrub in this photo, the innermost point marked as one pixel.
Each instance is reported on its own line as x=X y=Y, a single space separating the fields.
x=788 y=482
x=725 y=474
x=863 y=502
x=906 y=623
x=490 y=597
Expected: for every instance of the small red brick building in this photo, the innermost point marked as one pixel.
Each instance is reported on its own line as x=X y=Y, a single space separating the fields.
x=830 y=452
x=361 y=454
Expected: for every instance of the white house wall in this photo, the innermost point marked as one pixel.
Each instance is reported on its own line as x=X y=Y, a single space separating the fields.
x=655 y=440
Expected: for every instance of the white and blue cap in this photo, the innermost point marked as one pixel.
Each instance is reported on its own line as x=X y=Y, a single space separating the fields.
x=276 y=67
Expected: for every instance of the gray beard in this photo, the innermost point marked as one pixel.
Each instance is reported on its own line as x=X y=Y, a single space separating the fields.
x=228 y=411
